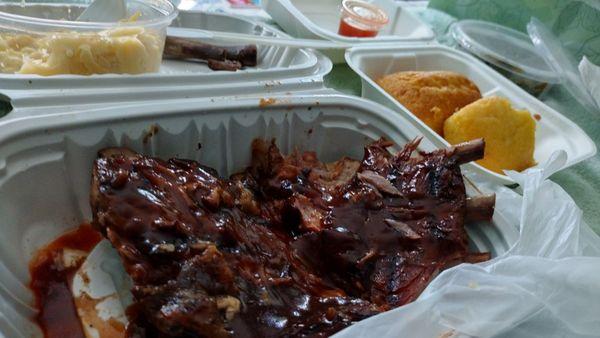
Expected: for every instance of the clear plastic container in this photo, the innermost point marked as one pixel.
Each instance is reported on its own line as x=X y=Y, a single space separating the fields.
x=561 y=61
x=508 y=51
x=52 y=42
x=361 y=19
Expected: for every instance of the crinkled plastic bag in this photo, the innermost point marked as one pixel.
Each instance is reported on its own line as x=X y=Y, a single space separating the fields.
x=547 y=285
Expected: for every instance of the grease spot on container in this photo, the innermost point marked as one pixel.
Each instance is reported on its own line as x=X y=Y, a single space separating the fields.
x=153 y=130
x=264 y=102
x=448 y=334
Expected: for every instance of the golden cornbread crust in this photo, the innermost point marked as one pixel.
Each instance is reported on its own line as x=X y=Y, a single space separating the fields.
x=431 y=96
x=509 y=133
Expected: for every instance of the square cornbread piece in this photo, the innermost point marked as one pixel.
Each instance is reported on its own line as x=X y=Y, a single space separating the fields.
x=509 y=133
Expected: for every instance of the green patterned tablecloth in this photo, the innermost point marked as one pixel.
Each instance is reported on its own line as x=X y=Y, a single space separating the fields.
x=575 y=22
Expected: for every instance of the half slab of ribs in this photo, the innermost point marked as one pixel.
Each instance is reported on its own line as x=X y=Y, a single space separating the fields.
x=289 y=247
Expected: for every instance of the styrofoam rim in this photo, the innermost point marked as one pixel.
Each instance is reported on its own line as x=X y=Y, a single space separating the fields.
x=33 y=124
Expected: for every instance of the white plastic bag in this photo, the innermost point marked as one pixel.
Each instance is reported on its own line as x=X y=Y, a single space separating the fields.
x=547 y=285
x=590 y=75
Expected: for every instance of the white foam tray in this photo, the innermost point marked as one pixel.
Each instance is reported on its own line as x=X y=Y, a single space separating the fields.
x=553 y=130
x=277 y=67
x=46 y=162
x=320 y=19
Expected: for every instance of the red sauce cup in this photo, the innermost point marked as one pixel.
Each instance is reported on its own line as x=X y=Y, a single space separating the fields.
x=361 y=19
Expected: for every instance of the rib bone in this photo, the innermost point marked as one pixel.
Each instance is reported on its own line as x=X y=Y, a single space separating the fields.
x=467 y=151
x=480 y=208
x=221 y=57
x=379 y=182
x=403 y=228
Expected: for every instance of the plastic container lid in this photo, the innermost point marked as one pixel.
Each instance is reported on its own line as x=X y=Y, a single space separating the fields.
x=503 y=47
x=153 y=14
x=561 y=61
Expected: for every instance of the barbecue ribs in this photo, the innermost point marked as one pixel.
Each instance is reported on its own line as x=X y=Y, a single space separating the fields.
x=289 y=247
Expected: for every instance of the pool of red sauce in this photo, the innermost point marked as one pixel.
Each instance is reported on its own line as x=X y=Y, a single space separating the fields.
x=347 y=29
x=57 y=316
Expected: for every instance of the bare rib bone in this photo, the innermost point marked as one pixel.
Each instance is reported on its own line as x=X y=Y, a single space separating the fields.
x=403 y=228
x=221 y=57
x=480 y=208
x=379 y=182
x=467 y=151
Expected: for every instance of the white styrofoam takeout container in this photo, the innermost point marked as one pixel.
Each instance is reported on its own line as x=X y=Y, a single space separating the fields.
x=277 y=68
x=553 y=130
x=320 y=19
x=46 y=162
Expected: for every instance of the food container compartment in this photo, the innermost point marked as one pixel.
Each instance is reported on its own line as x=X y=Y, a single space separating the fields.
x=278 y=68
x=57 y=44
x=553 y=130
x=56 y=152
x=268 y=58
x=320 y=19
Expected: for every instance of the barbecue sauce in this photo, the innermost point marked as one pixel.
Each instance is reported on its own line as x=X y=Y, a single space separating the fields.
x=50 y=283
x=348 y=29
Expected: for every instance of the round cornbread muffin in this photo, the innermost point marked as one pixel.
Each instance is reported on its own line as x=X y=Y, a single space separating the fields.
x=509 y=133
x=431 y=96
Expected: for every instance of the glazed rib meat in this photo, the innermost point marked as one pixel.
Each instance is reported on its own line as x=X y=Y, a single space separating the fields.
x=289 y=247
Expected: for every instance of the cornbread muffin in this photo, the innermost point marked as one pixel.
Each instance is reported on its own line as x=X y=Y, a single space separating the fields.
x=431 y=96
x=509 y=133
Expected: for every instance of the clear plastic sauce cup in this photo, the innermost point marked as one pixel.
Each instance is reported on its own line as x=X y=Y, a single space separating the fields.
x=361 y=19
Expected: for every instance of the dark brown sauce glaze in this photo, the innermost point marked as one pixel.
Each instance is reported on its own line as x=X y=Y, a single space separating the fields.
x=290 y=247
x=188 y=248
x=384 y=233
x=50 y=283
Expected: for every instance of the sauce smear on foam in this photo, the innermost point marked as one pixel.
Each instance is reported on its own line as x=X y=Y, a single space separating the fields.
x=51 y=278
